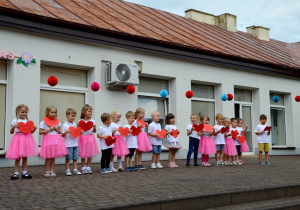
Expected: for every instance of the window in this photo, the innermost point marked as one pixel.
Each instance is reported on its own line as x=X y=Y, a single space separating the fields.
x=278 y=120
x=3 y=82
x=242 y=95
x=203 y=102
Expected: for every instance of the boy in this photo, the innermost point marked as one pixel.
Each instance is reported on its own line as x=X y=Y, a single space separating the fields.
x=219 y=140
x=155 y=140
x=263 y=139
x=104 y=132
x=70 y=142
x=194 y=139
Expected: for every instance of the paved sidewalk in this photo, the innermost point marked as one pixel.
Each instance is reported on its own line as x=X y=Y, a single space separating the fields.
x=124 y=188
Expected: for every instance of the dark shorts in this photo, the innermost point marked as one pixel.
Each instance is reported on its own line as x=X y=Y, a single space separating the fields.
x=131 y=154
x=238 y=148
x=156 y=149
x=220 y=147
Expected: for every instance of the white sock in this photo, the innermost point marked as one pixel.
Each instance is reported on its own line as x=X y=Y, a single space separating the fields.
x=83 y=168
x=120 y=163
x=24 y=172
x=88 y=168
x=17 y=173
x=111 y=165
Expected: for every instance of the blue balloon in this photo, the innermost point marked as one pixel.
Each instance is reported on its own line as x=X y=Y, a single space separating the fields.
x=224 y=97
x=164 y=93
x=275 y=99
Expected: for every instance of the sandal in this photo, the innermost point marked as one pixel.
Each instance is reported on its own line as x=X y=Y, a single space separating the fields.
x=14 y=177
x=47 y=174
x=52 y=173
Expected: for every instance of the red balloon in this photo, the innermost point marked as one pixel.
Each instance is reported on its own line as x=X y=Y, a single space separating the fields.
x=189 y=94
x=52 y=81
x=95 y=86
x=297 y=98
x=230 y=96
x=130 y=89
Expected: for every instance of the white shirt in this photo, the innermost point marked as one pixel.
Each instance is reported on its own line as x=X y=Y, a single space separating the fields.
x=114 y=126
x=44 y=126
x=131 y=140
x=69 y=140
x=135 y=124
x=89 y=132
x=104 y=131
x=236 y=142
x=194 y=133
x=171 y=138
x=220 y=137
x=152 y=129
x=262 y=138
x=14 y=121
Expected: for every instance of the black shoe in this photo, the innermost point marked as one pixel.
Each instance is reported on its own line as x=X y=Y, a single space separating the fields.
x=142 y=167
x=187 y=165
x=138 y=167
x=196 y=165
x=14 y=177
x=26 y=176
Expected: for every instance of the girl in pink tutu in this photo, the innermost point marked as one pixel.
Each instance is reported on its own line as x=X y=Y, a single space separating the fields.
x=52 y=144
x=87 y=144
x=120 y=149
x=22 y=143
x=207 y=144
x=230 y=148
x=172 y=139
x=244 y=145
x=144 y=144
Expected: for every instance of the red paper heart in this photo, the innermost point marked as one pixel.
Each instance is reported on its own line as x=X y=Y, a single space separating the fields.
x=161 y=133
x=199 y=127
x=26 y=127
x=110 y=140
x=51 y=121
x=135 y=131
x=123 y=131
x=143 y=124
x=267 y=128
x=86 y=125
x=174 y=133
x=75 y=132
x=208 y=128
x=224 y=130
x=242 y=138
x=234 y=134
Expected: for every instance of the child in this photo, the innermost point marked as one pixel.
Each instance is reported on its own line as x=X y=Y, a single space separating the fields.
x=21 y=145
x=194 y=139
x=219 y=140
x=172 y=139
x=263 y=139
x=70 y=142
x=244 y=145
x=52 y=143
x=155 y=139
x=120 y=149
x=233 y=141
x=142 y=139
x=103 y=133
x=230 y=148
x=131 y=142
x=87 y=143
x=207 y=144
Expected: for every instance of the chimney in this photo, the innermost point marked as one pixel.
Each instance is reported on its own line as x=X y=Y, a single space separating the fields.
x=259 y=32
x=226 y=21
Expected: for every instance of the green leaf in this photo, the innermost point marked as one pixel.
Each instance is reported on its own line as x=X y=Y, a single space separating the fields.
x=19 y=61
x=25 y=64
x=33 y=61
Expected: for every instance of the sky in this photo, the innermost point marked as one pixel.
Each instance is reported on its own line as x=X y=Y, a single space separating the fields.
x=281 y=16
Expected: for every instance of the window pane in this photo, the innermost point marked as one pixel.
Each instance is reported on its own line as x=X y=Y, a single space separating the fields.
x=2 y=70
x=2 y=116
x=204 y=108
x=203 y=91
x=65 y=76
x=246 y=116
x=281 y=99
x=62 y=101
x=150 y=85
x=278 y=127
x=242 y=95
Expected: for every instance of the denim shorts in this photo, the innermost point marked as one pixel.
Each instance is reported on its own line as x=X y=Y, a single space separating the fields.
x=156 y=149
x=220 y=147
x=73 y=153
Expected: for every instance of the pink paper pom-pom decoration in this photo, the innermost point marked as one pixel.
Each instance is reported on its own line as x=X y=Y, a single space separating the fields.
x=52 y=81
x=95 y=86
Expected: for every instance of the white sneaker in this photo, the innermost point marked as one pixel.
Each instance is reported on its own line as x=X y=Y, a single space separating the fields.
x=234 y=163
x=153 y=165
x=76 y=172
x=158 y=165
x=89 y=172
x=68 y=173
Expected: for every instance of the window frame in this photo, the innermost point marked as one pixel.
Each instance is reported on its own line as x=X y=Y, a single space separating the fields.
x=279 y=107
x=5 y=82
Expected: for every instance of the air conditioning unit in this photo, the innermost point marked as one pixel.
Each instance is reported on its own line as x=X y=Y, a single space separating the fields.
x=121 y=74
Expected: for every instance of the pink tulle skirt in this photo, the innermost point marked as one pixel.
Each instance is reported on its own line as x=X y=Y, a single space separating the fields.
x=230 y=148
x=143 y=142
x=244 y=147
x=53 y=146
x=120 y=149
x=87 y=146
x=22 y=145
x=207 y=146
